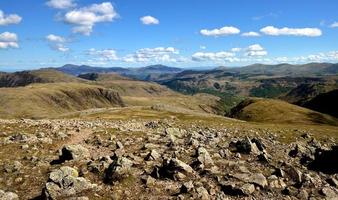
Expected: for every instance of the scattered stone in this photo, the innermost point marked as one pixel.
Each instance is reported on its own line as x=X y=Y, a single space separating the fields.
x=245 y=146
x=65 y=182
x=153 y=155
x=187 y=187
x=202 y=193
x=8 y=195
x=329 y=193
x=73 y=152
x=118 y=170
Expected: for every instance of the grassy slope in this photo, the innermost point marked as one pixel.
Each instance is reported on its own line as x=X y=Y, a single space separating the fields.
x=49 y=100
x=276 y=111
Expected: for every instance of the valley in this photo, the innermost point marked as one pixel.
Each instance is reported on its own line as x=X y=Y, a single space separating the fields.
x=93 y=133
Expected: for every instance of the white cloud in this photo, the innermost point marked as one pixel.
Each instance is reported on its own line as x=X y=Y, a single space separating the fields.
x=256 y=50
x=203 y=47
x=236 y=49
x=8 y=40
x=57 y=42
x=149 y=20
x=9 y=19
x=61 y=47
x=85 y=18
x=104 y=55
x=61 y=4
x=55 y=38
x=211 y=56
x=227 y=30
x=159 y=54
x=309 y=32
x=334 y=25
x=251 y=34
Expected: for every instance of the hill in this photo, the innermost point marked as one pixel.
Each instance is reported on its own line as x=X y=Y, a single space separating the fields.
x=140 y=73
x=103 y=77
x=53 y=99
x=276 y=111
x=325 y=103
x=24 y=78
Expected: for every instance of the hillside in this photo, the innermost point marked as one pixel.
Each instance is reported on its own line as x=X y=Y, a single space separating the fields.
x=103 y=77
x=140 y=73
x=276 y=111
x=325 y=103
x=50 y=100
x=24 y=78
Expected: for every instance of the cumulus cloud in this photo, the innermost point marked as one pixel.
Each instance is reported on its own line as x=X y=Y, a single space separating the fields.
x=9 y=19
x=61 y=4
x=158 y=54
x=85 y=18
x=251 y=34
x=55 y=38
x=149 y=20
x=8 y=40
x=334 y=25
x=57 y=42
x=309 y=32
x=227 y=30
x=256 y=50
x=214 y=56
x=104 y=55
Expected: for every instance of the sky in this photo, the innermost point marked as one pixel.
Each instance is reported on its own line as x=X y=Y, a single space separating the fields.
x=181 y=33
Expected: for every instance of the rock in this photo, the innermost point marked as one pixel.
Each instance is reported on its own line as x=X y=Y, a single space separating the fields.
x=275 y=182
x=202 y=193
x=149 y=181
x=8 y=195
x=14 y=167
x=303 y=195
x=225 y=153
x=246 y=146
x=153 y=155
x=325 y=161
x=294 y=173
x=332 y=181
x=258 y=179
x=248 y=188
x=329 y=193
x=119 y=169
x=290 y=190
x=64 y=182
x=187 y=187
x=173 y=131
x=203 y=157
x=73 y=152
x=173 y=167
x=233 y=189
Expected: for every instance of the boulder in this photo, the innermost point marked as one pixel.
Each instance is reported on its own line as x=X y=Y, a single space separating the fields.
x=73 y=152
x=8 y=195
x=65 y=182
x=119 y=169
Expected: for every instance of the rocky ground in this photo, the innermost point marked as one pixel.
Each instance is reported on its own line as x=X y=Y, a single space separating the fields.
x=162 y=159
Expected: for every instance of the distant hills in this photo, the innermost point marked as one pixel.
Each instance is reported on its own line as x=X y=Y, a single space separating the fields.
x=139 y=73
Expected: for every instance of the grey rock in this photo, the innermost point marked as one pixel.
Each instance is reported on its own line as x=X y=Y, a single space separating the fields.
x=73 y=152
x=119 y=169
x=8 y=195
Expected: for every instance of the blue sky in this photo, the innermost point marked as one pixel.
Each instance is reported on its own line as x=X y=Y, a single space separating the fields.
x=183 y=33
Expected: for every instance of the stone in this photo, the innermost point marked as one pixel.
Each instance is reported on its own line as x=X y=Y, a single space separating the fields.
x=73 y=152
x=258 y=179
x=173 y=131
x=325 y=160
x=294 y=173
x=203 y=157
x=149 y=181
x=119 y=169
x=187 y=187
x=153 y=155
x=173 y=167
x=329 y=193
x=332 y=181
x=65 y=182
x=202 y=193
x=8 y=195
x=246 y=146
x=248 y=188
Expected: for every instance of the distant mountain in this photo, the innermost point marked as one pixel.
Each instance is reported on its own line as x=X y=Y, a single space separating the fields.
x=24 y=78
x=84 y=69
x=139 y=73
x=310 y=69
